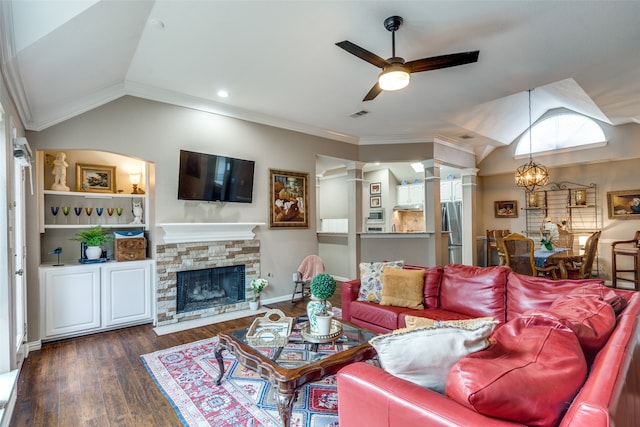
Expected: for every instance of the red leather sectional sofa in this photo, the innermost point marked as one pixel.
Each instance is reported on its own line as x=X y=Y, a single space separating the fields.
x=609 y=395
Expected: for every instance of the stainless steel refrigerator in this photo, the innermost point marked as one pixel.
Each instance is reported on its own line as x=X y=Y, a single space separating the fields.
x=452 y=222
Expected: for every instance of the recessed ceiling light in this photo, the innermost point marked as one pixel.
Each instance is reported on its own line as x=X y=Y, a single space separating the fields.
x=223 y=93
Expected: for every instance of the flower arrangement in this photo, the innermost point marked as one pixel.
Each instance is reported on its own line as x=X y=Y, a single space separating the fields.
x=546 y=243
x=95 y=236
x=322 y=287
x=257 y=286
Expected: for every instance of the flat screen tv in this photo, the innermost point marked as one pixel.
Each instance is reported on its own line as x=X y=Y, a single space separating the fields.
x=212 y=178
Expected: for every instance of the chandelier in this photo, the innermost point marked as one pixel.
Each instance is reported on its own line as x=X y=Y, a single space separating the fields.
x=531 y=175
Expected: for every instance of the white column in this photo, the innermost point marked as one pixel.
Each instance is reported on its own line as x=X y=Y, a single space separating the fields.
x=469 y=184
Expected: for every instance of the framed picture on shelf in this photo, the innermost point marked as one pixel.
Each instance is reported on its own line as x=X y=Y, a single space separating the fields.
x=506 y=209
x=375 y=188
x=289 y=199
x=95 y=178
x=623 y=204
x=375 y=202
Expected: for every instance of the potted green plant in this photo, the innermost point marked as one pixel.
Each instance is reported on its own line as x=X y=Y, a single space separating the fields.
x=93 y=238
x=319 y=311
x=257 y=286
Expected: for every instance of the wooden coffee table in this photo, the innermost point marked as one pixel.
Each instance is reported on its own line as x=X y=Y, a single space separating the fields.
x=289 y=368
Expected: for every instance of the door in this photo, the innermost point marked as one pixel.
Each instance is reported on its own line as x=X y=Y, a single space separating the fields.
x=19 y=254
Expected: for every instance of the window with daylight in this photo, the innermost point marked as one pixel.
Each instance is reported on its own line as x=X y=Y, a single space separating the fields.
x=561 y=132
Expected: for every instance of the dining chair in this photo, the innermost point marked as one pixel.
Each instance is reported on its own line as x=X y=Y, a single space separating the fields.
x=565 y=239
x=492 y=245
x=519 y=255
x=626 y=248
x=583 y=270
x=310 y=266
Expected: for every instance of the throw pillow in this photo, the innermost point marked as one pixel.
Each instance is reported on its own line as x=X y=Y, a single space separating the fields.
x=403 y=288
x=590 y=318
x=371 y=279
x=424 y=355
x=413 y=322
x=529 y=376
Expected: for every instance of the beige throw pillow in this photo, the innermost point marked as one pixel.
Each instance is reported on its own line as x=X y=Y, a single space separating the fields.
x=413 y=322
x=425 y=355
x=371 y=279
x=403 y=288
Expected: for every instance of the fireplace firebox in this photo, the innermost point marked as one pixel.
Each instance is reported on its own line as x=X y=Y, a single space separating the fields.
x=210 y=287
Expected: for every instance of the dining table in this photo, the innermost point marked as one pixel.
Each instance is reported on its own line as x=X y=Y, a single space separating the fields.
x=557 y=256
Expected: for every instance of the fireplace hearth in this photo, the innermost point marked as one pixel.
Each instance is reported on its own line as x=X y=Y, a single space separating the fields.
x=210 y=287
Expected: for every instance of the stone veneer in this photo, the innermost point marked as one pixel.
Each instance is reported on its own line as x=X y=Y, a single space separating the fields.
x=174 y=257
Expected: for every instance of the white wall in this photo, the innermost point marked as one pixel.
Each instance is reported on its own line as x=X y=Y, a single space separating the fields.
x=155 y=132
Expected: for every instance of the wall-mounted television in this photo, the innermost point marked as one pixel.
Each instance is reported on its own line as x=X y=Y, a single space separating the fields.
x=211 y=178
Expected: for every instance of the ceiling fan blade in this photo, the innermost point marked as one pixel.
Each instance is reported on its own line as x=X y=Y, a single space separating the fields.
x=444 y=61
x=363 y=54
x=375 y=91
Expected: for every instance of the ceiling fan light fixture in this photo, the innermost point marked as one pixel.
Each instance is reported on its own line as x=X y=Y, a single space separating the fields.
x=394 y=78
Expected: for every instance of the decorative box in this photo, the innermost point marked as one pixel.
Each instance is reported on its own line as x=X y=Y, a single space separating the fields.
x=268 y=332
x=130 y=246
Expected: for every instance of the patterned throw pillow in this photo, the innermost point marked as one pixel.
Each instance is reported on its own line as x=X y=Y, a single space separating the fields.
x=371 y=279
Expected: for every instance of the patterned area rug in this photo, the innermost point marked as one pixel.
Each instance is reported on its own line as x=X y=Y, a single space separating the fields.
x=187 y=376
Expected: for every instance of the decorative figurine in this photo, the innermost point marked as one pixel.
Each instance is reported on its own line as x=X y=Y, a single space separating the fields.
x=60 y=173
x=57 y=251
x=137 y=212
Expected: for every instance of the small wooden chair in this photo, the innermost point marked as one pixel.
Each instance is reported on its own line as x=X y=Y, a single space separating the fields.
x=493 y=246
x=565 y=240
x=519 y=256
x=583 y=270
x=626 y=248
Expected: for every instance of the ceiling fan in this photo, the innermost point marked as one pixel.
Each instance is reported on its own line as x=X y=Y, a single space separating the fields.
x=396 y=72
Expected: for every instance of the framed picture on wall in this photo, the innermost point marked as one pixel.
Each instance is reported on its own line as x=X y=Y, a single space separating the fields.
x=623 y=204
x=375 y=188
x=95 y=178
x=506 y=209
x=289 y=199
x=375 y=202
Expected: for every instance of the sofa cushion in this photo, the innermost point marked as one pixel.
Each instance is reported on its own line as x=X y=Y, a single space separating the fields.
x=413 y=322
x=371 y=312
x=529 y=376
x=371 y=279
x=402 y=288
x=598 y=290
x=589 y=317
x=475 y=291
x=526 y=293
x=424 y=356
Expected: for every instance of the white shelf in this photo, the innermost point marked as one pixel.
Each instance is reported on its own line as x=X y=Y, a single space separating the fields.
x=77 y=226
x=91 y=195
x=184 y=232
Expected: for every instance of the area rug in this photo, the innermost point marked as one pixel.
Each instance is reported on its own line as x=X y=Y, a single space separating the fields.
x=187 y=376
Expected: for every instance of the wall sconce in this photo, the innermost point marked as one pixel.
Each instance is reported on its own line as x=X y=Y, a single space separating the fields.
x=134 y=179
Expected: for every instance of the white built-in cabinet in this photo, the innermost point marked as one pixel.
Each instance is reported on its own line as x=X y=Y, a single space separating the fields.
x=410 y=194
x=451 y=191
x=82 y=299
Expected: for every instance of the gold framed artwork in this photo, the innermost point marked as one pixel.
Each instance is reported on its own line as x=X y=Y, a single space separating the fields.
x=95 y=178
x=506 y=209
x=623 y=204
x=289 y=199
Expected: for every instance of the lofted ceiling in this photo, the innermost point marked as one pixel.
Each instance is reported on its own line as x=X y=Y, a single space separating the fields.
x=279 y=62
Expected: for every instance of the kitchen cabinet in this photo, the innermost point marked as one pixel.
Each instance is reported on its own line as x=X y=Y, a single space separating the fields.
x=451 y=191
x=410 y=194
x=87 y=298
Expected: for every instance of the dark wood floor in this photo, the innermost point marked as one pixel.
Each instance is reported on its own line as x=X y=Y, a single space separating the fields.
x=99 y=380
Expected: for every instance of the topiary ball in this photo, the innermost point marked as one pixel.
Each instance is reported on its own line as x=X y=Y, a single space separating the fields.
x=323 y=286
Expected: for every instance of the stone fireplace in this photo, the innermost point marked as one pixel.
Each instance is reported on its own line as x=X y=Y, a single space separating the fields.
x=210 y=287
x=172 y=258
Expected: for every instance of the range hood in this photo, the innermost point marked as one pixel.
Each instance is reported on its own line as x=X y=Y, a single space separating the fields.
x=411 y=207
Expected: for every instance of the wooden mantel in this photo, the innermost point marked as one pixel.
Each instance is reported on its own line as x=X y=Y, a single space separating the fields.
x=184 y=232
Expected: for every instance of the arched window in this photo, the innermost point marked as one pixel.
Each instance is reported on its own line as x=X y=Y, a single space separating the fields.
x=561 y=131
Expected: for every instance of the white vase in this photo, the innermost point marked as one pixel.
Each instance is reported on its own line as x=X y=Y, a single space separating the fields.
x=93 y=252
x=324 y=323
x=253 y=305
x=315 y=306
